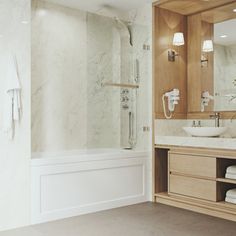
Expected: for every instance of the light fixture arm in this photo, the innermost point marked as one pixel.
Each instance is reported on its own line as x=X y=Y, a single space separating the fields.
x=178 y=40
x=172 y=54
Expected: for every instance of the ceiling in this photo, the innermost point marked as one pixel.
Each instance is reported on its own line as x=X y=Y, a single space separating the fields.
x=225 y=28
x=220 y=14
x=188 y=7
x=96 y=5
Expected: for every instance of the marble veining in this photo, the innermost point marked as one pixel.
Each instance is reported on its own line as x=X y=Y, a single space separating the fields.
x=220 y=143
x=58 y=77
x=103 y=114
x=224 y=77
x=71 y=109
x=141 y=21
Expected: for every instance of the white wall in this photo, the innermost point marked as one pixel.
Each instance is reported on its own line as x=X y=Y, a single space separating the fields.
x=15 y=155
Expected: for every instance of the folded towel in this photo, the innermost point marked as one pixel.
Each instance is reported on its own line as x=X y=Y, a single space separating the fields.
x=230 y=176
x=230 y=200
x=231 y=196
x=12 y=93
x=231 y=193
x=231 y=170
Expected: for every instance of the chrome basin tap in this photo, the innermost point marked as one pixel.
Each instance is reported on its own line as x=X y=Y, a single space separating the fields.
x=216 y=116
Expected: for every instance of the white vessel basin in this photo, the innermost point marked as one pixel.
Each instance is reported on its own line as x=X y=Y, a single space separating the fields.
x=205 y=131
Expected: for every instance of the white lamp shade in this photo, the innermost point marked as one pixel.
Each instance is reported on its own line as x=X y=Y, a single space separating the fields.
x=207 y=46
x=178 y=39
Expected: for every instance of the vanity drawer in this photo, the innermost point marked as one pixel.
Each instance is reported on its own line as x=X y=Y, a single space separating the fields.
x=192 y=165
x=193 y=187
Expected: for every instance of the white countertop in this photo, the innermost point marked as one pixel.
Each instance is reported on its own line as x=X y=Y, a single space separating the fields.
x=185 y=141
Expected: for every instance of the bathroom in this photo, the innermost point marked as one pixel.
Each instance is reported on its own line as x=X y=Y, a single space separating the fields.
x=94 y=135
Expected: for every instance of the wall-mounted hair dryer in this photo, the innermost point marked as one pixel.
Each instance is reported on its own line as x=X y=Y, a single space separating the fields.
x=173 y=98
x=205 y=99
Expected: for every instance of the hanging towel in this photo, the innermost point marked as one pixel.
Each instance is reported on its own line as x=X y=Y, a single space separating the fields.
x=12 y=93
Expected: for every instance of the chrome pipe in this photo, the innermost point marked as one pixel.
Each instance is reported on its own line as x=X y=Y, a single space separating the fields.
x=130 y=124
x=137 y=71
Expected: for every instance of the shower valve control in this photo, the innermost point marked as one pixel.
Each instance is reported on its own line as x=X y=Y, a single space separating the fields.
x=146 y=128
x=146 y=47
x=125 y=98
x=124 y=91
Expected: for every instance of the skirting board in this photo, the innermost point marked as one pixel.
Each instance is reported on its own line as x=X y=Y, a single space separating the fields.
x=219 y=213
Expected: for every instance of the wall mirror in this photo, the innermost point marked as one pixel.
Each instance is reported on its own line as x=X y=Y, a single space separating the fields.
x=222 y=55
x=225 y=65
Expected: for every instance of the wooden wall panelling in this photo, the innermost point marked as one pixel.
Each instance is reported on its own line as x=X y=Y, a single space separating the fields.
x=200 y=75
x=205 y=115
x=220 y=14
x=204 y=75
x=207 y=71
x=194 y=63
x=169 y=75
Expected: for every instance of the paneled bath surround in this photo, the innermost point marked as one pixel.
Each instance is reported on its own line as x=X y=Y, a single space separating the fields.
x=81 y=123
x=72 y=183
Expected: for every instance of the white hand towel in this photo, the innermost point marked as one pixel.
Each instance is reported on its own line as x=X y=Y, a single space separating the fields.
x=12 y=99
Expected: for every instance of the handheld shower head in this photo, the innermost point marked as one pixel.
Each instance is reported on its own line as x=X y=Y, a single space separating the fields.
x=125 y=30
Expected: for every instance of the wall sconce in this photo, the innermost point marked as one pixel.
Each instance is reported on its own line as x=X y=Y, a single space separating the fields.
x=178 y=40
x=207 y=47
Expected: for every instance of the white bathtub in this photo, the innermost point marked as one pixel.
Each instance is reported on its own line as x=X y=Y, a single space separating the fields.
x=71 y=183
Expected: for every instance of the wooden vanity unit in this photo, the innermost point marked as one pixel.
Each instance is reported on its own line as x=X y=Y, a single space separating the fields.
x=186 y=177
x=194 y=179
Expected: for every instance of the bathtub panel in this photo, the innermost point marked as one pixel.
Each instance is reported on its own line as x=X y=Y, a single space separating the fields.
x=65 y=190
x=89 y=187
